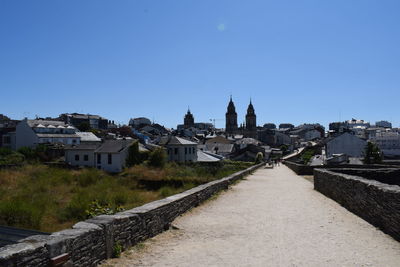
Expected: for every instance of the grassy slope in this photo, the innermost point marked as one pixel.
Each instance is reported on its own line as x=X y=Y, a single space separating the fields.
x=50 y=199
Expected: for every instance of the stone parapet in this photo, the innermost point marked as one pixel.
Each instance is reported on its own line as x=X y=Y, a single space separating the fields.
x=377 y=203
x=91 y=241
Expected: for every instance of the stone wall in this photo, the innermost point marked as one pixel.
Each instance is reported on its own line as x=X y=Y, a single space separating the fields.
x=375 y=202
x=384 y=175
x=301 y=169
x=91 y=241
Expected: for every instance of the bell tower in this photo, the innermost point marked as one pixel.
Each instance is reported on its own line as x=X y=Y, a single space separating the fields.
x=231 y=118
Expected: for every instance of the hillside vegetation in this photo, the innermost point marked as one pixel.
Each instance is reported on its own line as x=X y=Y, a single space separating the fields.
x=46 y=198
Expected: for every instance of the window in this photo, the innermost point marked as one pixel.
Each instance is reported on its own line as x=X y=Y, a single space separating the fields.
x=109 y=158
x=176 y=151
x=86 y=157
x=98 y=158
x=194 y=150
x=185 y=150
x=7 y=139
x=76 y=157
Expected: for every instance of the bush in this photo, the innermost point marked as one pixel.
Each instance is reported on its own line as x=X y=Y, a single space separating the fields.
x=372 y=154
x=76 y=208
x=166 y=191
x=157 y=158
x=38 y=153
x=12 y=158
x=259 y=158
x=20 y=214
x=133 y=155
x=308 y=153
x=5 y=151
x=88 y=177
x=28 y=152
x=117 y=250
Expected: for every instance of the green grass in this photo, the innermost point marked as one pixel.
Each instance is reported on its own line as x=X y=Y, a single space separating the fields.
x=49 y=199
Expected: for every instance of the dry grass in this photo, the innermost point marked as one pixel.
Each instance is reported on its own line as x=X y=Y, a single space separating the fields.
x=50 y=199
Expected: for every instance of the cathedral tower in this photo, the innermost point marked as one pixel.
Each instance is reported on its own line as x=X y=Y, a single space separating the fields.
x=188 y=121
x=251 y=122
x=231 y=119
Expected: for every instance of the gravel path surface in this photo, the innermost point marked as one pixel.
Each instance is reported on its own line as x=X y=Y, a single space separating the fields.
x=273 y=218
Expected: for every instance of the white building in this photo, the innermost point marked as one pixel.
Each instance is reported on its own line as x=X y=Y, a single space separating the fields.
x=30 y=133
x=355 y=123
x=81 y=155
x=388 y=142
x=348 y=144
x=179 y=149
x=109 y=156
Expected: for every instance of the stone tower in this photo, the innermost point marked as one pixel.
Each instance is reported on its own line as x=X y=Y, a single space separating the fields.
x=188 y=121
x=251 y=122
x=231 y=119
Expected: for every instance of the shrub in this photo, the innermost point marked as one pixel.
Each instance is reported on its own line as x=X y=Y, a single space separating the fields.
x=5 y=151
x=308 y=153
x=372 y=154
x=76 y=208
x=259 y=158
x=157 y=158
x=28 y=152
x=117 y=250
x=20 y=214
x=88 y=177
x=96 y=208
x=166 y=191
x=12 y=158
x=133 y=155
x=38 y=153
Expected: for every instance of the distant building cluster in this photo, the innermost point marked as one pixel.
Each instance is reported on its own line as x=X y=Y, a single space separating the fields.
x=94 y=141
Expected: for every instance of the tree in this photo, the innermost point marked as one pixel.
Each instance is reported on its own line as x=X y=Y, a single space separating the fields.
x=84 y=126
x=259 y=158
x=372 y=154
x=133 y=155
x=284 y=148
x=125 y=131
x=157 y=158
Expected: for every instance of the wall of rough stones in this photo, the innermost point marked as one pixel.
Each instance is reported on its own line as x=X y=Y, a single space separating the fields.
x=91 y=241
x=384 y=175
x=301 y=169
x=377 y=203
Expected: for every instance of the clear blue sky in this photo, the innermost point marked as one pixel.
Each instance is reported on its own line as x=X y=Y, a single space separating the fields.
x=299 y=61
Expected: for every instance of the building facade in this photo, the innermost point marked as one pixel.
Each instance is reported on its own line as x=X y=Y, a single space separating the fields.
x=179 y=149
x=30 y=133
x=76 y=119
x=109 y=156
x=348 y=144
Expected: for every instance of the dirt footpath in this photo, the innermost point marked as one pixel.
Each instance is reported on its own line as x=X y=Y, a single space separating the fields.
x=273 y=218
